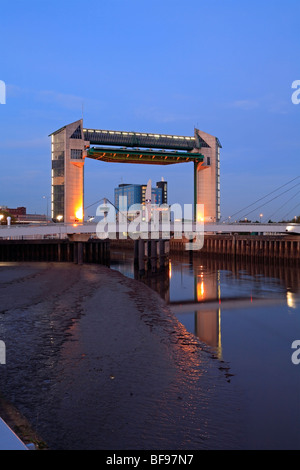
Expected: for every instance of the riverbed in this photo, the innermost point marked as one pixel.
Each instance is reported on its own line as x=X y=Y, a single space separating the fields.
x=96 y=360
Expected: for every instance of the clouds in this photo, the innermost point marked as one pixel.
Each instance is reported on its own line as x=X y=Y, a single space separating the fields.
x=164 y=114
x=42 y=97
x=64 y=100
x=25 y=143
x=246 y=104
x=269 y=103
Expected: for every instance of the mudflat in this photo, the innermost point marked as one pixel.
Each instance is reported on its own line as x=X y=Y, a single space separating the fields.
x=95 y=360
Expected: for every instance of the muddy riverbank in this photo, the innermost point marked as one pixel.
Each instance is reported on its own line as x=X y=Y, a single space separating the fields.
x=97 y=361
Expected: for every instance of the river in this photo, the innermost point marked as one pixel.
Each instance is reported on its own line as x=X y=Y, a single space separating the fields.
x=249 y=315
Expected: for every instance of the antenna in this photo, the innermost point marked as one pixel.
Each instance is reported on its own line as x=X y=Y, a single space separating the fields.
x=82 y=108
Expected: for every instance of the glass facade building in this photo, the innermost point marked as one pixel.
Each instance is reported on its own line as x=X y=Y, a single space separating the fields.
x=135 y=194
x=164 y=188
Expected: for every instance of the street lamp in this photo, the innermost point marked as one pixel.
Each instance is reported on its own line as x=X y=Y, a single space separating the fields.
x=59 y=218
x=1 y=217
x=261 y=215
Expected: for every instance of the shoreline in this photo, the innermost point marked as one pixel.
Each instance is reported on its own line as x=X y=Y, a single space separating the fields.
x=121 y=367
x=20 y=425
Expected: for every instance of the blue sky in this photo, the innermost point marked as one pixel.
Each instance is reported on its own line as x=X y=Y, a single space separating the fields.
x=224 y=66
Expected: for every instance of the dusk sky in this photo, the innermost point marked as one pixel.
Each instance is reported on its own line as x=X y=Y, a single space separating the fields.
x=223 y=66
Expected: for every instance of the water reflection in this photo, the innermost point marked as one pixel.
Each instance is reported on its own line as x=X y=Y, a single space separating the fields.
x=249 y=314
x=208 y=321
x=216 y=281
x=206 y=284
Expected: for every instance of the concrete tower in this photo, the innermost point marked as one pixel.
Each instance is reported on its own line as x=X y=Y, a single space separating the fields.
x=67 y=154
x=207 y=177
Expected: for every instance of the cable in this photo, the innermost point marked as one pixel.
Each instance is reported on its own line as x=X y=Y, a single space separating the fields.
x=94 y=203
x=258 y=200
x=272 y=199
x=270 y=217
x=286 y=215
x=107 y=201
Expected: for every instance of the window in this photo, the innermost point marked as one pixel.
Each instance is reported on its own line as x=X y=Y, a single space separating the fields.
x=76 y=154
x=77 y=134
x=58 y=165
x=58 y=200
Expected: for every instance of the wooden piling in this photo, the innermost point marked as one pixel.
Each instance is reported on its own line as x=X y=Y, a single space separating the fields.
x=250 y=247
x=92 y=251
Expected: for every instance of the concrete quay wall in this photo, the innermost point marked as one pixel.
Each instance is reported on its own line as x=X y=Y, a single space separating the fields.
x=246 y=246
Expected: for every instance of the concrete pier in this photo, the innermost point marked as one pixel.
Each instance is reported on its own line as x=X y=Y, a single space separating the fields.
x=151 y=256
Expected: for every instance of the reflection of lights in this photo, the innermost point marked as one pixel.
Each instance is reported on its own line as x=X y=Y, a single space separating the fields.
x=219 y=335
x=291 y=300
x=219 y=286
x=170 y=270
x=200 y=290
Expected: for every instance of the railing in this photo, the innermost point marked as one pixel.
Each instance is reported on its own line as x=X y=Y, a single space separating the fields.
x=58 y=230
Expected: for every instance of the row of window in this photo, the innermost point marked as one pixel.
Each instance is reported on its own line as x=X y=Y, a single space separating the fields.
x=58 y=155
x=58 y=165
x=76 y=154
x=58 y=193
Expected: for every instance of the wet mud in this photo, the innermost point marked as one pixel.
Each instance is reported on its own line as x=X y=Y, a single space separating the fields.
x=95 y=360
